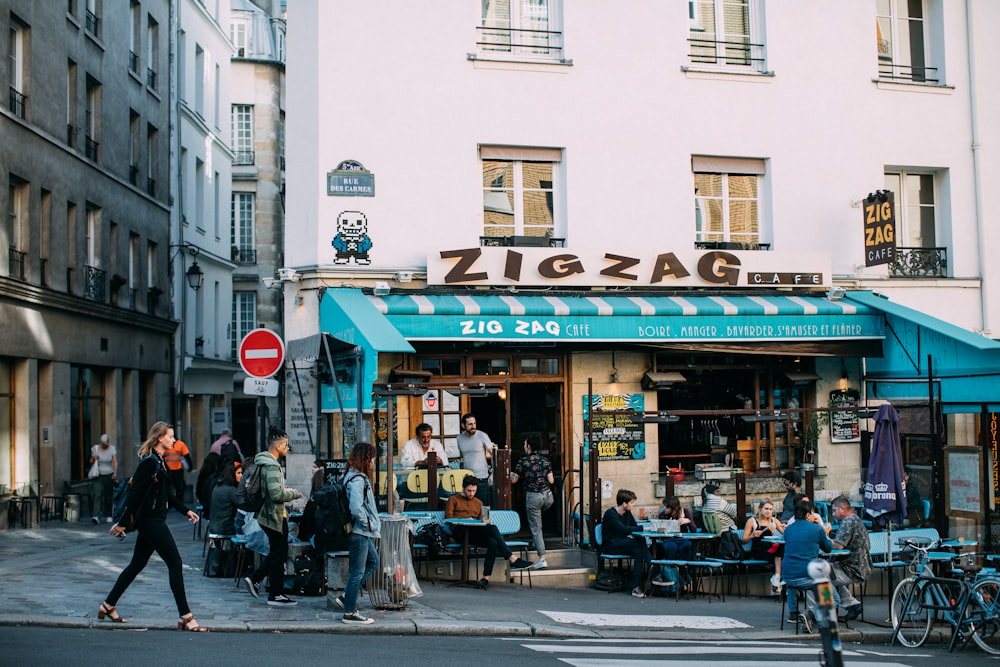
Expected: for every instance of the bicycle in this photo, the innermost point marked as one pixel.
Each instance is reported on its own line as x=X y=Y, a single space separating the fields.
x=970 y=604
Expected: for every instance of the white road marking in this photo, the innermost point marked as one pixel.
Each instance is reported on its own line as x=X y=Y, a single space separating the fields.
x=646 y=620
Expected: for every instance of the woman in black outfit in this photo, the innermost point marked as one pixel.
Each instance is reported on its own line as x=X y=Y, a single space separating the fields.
x=146 y=511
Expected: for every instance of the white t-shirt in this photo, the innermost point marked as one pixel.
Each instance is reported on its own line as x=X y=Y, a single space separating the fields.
x=105 y=463
x=413 y=453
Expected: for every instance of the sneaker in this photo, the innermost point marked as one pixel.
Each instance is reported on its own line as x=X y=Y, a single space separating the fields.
x=540 y=564
x=339 y=600
x=282 y=601
x=356 y=619
x=637 y=593
x=253 y=588
x=95 y=520
x=520 y=564
x=663 y=581
x=852 y=612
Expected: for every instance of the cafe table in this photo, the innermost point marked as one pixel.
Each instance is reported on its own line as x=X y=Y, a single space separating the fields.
x=468 y=523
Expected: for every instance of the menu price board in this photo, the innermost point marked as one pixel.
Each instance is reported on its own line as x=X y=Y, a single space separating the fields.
x=963 y=493
x=617 y=437
x=844 y=425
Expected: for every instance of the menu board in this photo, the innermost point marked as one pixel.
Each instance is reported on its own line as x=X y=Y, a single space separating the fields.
x=963 y=490
x=844 y=425
x=617 y=437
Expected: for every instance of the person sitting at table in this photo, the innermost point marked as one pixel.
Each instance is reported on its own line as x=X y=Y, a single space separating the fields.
x=914 y=501
x=618 y=526
x=465 y=505
x=416 y=450
x=711 y=503
x=223 y=513
x=804 y=540
x=851 y=535
x=675 y=548
x=793 y=487
x=813 y=515
x=762 y=525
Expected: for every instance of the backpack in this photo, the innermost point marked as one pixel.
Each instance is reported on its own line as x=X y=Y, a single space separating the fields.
x=250 y=491
x=119 y=501
x=309 y=577
x=333 y=508
x=229 y=453
x=730 y=546
x=433 y=537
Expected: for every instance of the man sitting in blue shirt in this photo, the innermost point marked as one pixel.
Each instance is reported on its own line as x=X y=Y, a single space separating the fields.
x=804 y=540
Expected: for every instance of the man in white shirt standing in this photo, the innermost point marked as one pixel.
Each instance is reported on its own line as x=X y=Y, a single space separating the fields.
x=477 y=451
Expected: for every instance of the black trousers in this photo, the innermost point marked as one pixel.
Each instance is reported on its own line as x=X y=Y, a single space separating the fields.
x=273 y=567
x=153 y=535
x=487 y=537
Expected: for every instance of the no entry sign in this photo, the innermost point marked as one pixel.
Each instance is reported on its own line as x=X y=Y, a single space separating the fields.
x=262 y=353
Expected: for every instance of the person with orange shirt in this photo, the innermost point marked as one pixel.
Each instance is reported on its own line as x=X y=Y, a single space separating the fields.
x=177 y=460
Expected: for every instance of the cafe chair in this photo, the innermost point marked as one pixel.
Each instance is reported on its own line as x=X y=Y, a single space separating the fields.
x=383 y=483
x=451 y=481
x=416 y=482
x=802 y=601
x=612 y=559
x=508 y=522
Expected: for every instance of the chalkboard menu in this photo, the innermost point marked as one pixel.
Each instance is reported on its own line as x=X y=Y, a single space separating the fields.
x=844 y=426
x=962 y=473
x=332 y=468
x=617 y=437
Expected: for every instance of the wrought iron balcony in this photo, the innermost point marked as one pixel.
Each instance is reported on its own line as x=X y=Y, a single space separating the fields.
x=150 y=78
x=518 y=42
x=244 y=256
x=726 y=53
x=731 y=245
x=93 y=23
x=920 y=263
x=133 y=61
x=70 y=135
x=90 y=148
x=18 y=103
x=151 y=187
x=133 y=175
x=16 y=263
x=889 y=72
x=523 y=241
x=96 y=288
x=243 y=158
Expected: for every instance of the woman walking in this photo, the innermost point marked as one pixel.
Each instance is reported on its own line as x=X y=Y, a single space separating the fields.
x=363 y=558
x=150 y=495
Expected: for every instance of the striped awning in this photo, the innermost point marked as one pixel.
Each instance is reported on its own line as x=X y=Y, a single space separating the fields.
x=651 y=319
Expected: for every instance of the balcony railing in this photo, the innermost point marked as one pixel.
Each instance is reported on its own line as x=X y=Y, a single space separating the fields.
x=728 y=53
x=130 y=301
x=150 y=78
x=93 y=23
x=133 y=61
x=133 y=175
x=889 y=72
x=96 y=288
x=523 y=241
x=920 y=263
x=16 y=263
x=524 y=43
x=731 y=245
x=18 y=103
x=70 y=135
x=245 y=256
x=151 y=187
x=243 y=157
x=43 y=272
x=90 y=148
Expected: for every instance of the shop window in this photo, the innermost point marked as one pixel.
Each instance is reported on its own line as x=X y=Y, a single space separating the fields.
x=728 y=204
x=547 y=366
x=491 y=366
x=442 y=366
x=918 y=253
x=520 y=191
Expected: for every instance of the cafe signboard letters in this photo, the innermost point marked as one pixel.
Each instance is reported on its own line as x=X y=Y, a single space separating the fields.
x=880 y=228
x=617 y=437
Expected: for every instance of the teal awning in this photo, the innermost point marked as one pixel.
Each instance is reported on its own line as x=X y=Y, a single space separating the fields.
x=350 y=318
x=635 y=319
x=965 y=365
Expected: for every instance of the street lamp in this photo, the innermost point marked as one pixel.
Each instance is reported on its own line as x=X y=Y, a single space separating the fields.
x=195 y=276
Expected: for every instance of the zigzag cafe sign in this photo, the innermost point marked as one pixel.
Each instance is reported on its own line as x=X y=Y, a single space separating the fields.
x=880 y=228
x=515 y=267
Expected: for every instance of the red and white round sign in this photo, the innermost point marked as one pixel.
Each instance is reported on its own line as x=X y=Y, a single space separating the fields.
x=261 y=352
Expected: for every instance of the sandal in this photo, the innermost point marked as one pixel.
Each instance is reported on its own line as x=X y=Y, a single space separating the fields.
x=109 y=611
x=188 y=622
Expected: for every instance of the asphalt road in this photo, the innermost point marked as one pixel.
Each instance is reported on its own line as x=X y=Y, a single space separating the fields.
x=55 y=647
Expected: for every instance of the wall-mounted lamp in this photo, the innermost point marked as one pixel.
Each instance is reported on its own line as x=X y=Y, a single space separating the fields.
x=404 y=276
x=836 y=293
x=661 y=417
x=844 y=377
x=195 y=276
x=381 y=288
x=653 y=380
x=502 y=394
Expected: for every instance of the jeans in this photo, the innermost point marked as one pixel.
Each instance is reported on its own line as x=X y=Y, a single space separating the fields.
x=676 y=549
x=634 y=547
x=535 y=504
x=362 y=561
x=273 y=566
x=842 y=581
x=806 y=584
x=153 y=535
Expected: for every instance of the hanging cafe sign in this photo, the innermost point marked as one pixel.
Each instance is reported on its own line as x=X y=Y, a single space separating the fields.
x=525 y=266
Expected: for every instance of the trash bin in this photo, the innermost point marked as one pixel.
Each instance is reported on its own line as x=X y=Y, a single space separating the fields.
x=71 y=507
x=394 y=582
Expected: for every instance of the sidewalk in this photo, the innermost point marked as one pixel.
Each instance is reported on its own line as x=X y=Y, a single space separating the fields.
x=58 y=574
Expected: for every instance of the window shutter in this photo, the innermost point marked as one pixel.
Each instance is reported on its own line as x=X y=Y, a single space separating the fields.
x=705 y=164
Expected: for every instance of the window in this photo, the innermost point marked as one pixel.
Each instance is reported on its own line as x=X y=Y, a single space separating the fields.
x=901 y=31
x=96 y=279
x=71 y=128
x=17 y=227
x=18 y=62
x=281 y=140
x=152 y=49
x=238 y=33
x=92 y=141
x=93 y=22
x=152 y=157
x=244 y=250
x=244 y=317
x=521 y=29
x=723 y=32
x=199 y=80
x=727 y=202
x=519 y=192
x=199 y=194
x=135 y=16
x=242 y=133
x=134 y=138
x=917 y=251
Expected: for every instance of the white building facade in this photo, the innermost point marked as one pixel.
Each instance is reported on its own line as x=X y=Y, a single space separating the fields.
x=665 y=205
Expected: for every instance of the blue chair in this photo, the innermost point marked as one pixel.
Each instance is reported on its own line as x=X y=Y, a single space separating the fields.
x=611 y=558
x=508 y=522
x=927 y=508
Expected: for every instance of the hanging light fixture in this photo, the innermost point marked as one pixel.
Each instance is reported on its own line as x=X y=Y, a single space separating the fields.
x=195 y=276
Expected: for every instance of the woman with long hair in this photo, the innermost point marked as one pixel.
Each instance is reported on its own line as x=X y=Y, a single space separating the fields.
x=150 y=494
x=765 y=524
x=363 y=556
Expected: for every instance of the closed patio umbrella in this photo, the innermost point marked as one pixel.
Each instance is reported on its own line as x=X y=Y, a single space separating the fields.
x=885 y=495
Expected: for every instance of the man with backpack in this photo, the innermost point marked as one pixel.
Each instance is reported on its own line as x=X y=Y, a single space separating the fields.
x=273 y=521
x=227 y=447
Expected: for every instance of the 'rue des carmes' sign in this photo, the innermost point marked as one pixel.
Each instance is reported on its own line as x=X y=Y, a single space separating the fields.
x=350 y=179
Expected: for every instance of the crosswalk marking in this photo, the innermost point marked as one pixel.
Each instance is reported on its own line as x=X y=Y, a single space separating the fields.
x=646 y=620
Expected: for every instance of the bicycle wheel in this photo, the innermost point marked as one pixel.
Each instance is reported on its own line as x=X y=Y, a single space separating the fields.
x=984 y=609
x=914 y=627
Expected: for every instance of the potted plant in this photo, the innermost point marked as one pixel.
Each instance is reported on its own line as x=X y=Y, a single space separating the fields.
x=117 y=282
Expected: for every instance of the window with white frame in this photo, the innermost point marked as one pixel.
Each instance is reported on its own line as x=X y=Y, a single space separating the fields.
x=242 y=229
x=238 y=33
x=520 y=188
x=919 y=252
x=242 y=133
x=727 y=202
x=135 y=25
x=902 y=33
x=17 y=55
x=726 y=34
x=521 y=29
x=152 y=50
x=244 y=317
x=199 y=80
x=93 y=17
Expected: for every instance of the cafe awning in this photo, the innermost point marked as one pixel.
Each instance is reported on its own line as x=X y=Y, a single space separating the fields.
x=964 y=371
x=587 y=318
